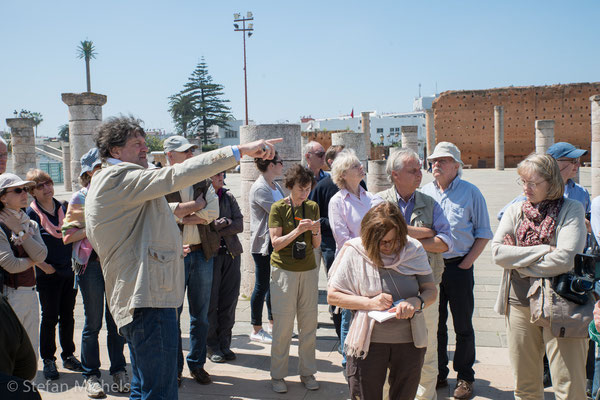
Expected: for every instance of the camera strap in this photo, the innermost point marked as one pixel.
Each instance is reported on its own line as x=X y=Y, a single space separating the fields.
x=294 y=216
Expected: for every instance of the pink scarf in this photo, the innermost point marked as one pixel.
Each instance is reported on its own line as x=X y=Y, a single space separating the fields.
x=45 y=222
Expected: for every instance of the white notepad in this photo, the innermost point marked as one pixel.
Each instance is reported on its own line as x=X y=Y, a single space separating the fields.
x=381 y=316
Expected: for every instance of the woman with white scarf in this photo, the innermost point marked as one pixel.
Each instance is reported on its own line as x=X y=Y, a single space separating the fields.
x=21 y=247
x=383 y=270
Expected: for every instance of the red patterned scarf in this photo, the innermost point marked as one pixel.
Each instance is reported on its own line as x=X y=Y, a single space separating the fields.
x=539 y=223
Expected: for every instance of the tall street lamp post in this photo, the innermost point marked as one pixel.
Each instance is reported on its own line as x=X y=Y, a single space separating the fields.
x=238 y=18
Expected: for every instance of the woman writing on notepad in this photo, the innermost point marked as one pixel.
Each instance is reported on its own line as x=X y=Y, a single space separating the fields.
x=382 y=267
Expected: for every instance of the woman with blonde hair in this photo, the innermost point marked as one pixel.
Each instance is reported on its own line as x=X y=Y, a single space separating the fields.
x=347 y=209
x=383 y=270
x=536 y=242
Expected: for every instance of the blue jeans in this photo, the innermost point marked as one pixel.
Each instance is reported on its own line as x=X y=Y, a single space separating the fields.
x=91 y=284
x=262 y=273
x=345 y=326
x=152 y=340
x=198 y=281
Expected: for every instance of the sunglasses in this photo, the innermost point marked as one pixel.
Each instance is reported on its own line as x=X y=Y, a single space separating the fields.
x=277 y=162
x=17 y=190
x=41 y=185
x=319 y=154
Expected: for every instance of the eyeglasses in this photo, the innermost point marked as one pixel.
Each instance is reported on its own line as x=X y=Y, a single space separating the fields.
x=190 y=150
x=17 y=190
x=531 y=185
x=277 y=162
x=41 y=185
x=319 y=154
x=573 y=161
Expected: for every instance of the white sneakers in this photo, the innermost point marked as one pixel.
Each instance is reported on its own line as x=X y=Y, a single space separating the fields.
x=93 y=388
x=261 y=336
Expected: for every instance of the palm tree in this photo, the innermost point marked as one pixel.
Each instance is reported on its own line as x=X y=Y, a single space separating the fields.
x=63 y=132
x=87 y=51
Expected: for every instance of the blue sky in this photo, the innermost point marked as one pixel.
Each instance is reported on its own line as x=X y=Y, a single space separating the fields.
x=319 y=58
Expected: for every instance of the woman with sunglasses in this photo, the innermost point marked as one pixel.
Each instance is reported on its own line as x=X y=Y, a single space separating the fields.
x=263 y=193
x=21 y=247
x=54 y=277
x=383 y=270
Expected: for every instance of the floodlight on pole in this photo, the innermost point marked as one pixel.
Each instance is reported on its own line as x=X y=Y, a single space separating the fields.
x=244 y=29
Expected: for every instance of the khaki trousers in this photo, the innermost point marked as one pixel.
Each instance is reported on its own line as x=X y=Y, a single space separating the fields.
x=294 y=295
x=429 y=372
x=526 y=345
x=24 y=302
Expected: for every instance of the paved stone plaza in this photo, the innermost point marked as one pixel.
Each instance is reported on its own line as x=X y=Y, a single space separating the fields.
x=248 y=376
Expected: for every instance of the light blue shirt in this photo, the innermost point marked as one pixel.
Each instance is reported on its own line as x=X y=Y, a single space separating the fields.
x=466 y=211
x=573 y=191
x=596 y=218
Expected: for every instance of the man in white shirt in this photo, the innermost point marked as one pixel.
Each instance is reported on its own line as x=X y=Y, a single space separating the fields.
x=194 y=207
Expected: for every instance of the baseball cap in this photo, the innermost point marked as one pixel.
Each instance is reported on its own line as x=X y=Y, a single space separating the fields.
x=446 y=149
x=8 y=180
x=177 y=143
x=564 y=149
x=90 y=160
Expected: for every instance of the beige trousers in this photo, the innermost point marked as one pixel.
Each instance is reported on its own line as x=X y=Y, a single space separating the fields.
x=429 y=372
x=526 y=346
x=294 y=295
x=24 y=301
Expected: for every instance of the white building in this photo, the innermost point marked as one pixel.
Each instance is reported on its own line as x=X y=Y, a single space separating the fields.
x=386 y=128
x=230 y=135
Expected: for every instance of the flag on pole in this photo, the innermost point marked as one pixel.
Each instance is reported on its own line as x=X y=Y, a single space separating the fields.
x=352 y=113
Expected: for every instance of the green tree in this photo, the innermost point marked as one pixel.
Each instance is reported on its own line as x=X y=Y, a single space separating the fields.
x=154 y=143
x=206 y=98
x=183 y=112
x=63 y=132
x=36 y=116
x=87 y=51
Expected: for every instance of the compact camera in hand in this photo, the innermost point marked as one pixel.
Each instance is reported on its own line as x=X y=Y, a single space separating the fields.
x=299 y=250
x=576 y=285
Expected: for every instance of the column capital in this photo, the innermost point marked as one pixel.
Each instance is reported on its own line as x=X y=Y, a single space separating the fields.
x=81 y=99
x=20 y=123
x=544 y=123
x=595 y=97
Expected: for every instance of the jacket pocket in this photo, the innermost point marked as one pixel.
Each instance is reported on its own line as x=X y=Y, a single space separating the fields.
x=161 y=268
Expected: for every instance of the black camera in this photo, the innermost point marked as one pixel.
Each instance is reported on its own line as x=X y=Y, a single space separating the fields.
x=299 y=250
x=576 y=285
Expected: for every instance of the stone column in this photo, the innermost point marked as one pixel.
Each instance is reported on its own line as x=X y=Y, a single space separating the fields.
x=289 y=152
x=430 y=129
x=595 y=145
x=365 y=119
x=85 y=114
x=66 y=152
x=377 y=177
x=410 y=137
x=544 y=135
x=499 y=137
x=23 y=145
x=352 y=140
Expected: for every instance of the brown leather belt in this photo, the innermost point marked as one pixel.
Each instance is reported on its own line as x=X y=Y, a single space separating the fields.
x=194 y=247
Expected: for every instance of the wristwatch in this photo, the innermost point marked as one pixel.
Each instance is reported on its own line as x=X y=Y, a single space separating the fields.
x=21 y=234
x=422 y=302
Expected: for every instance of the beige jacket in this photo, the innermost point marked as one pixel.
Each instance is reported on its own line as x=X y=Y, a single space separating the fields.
x=538 y=261
x=132 y=228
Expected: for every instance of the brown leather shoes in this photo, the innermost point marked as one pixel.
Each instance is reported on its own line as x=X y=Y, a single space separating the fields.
x=463 y=390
